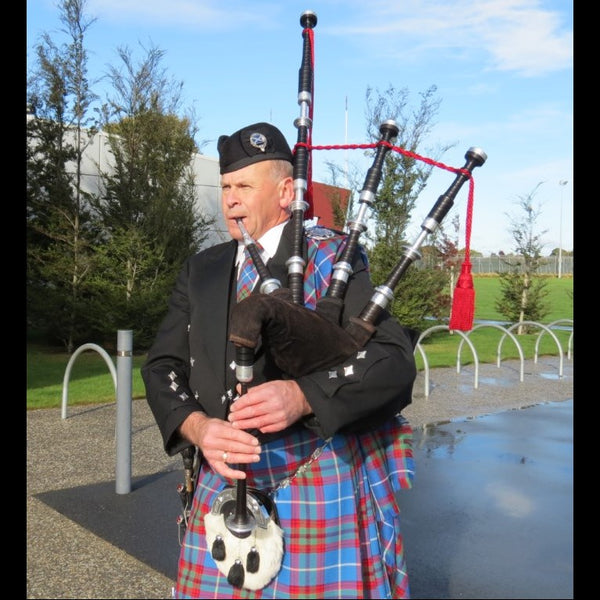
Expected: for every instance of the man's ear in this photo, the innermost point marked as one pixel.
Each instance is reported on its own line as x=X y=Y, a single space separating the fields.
x=286 y=192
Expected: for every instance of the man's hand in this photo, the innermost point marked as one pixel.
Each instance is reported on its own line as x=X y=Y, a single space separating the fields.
x=269 y=407
x=221 y=443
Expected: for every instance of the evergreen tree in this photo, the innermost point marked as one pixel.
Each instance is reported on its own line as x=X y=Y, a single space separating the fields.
x=523 y=293
x=60 y=229
x=147 y=203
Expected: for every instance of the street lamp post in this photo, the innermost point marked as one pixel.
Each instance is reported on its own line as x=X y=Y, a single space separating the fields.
x=562 y=184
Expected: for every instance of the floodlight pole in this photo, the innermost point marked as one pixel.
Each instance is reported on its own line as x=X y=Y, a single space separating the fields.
x=562 y=184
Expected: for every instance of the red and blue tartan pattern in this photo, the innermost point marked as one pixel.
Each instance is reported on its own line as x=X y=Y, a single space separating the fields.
x=247 y=278
x=340 y=518
x=322 y=255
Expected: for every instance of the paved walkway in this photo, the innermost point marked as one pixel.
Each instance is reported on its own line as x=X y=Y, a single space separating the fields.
x=86 y=541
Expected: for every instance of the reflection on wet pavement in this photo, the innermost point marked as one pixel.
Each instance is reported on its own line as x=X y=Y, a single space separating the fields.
x=495 y=381
x=491 y=511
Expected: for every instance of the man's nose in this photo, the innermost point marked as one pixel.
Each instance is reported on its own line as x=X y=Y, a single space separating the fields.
x=230 y=198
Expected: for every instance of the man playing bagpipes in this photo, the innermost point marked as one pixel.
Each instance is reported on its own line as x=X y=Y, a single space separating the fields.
x=323 y=454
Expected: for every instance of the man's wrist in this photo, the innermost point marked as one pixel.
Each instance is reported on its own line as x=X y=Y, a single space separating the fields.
x=191 y=423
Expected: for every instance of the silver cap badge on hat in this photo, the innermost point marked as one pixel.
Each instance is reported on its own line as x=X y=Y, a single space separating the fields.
x=258 y=140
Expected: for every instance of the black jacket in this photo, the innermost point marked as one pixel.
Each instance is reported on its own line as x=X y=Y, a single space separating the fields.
x=189 y=365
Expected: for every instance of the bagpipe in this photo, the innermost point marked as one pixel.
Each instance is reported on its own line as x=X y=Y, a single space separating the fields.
x=243 y=532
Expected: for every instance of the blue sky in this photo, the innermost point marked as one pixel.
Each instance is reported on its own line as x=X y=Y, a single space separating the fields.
x=503 y=71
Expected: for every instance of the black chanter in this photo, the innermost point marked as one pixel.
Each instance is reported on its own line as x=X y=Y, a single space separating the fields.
x=242 y=527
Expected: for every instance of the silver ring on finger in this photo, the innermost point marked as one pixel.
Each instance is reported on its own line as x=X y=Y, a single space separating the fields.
x=225 y=456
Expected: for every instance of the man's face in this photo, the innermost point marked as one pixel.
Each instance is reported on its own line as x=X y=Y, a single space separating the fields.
x=257 y=196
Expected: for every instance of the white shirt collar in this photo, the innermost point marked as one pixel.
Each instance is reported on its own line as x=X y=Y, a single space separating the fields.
x=269 y=241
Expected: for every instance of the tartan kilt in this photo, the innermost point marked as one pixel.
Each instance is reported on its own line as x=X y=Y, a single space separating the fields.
x=340 y=518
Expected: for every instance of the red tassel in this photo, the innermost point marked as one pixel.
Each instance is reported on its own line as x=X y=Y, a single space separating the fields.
x=463 y=302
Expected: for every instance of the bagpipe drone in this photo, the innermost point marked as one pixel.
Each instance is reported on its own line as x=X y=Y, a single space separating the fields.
x=242 y=529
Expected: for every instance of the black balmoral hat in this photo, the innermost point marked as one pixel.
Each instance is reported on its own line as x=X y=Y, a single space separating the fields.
x=250 y=145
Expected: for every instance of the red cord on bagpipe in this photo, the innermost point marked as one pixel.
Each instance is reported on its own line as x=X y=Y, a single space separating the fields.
x=463 y=298
x=309 y=189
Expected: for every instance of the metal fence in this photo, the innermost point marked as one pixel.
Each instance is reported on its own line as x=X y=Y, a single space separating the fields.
x=501 y=264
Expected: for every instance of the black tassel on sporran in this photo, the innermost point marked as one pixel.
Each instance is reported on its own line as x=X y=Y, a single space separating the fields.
x=235 y=577
x=253 y=560
x=218 y=549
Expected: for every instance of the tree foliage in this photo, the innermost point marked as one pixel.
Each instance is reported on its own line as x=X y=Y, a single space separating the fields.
x=60 y=228
x=523 y=293
x=421 y=293
x=99 y=262
x=147 y=203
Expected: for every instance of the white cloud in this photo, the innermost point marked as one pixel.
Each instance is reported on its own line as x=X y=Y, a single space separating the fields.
x=525 y=39
x=510 y=35
x=212 y=15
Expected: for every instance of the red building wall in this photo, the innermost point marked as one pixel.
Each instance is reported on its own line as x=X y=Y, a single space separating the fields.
x=323 y=196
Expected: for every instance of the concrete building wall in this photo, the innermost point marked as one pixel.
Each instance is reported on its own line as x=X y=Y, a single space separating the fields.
x=97 y=158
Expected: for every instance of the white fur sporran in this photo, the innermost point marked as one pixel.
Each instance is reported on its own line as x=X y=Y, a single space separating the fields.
x=250 y=562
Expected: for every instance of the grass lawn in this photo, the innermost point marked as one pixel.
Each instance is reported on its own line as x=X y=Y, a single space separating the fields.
x=559 y=299
x=91 y=381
